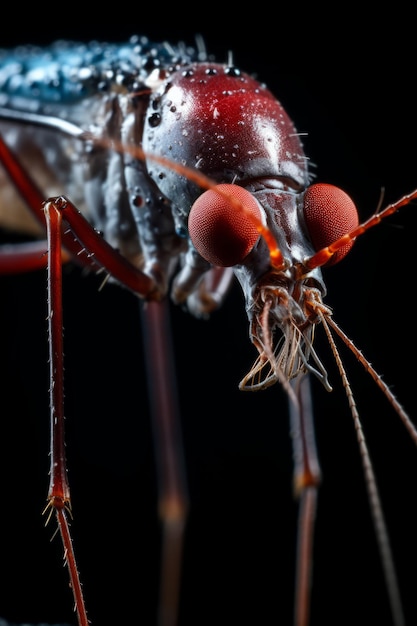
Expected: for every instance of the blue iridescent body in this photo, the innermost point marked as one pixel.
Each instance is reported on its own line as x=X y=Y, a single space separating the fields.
x=66 y=72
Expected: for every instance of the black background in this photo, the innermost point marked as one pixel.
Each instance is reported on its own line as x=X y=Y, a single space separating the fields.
x=346 y=80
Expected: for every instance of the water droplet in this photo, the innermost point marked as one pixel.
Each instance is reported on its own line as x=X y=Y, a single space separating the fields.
x=150 y=63
x=138 y=201
x=181 y=232
x=154 y=119
x=232 y=71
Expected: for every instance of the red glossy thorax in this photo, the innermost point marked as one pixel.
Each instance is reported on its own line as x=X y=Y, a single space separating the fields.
x=225 y=123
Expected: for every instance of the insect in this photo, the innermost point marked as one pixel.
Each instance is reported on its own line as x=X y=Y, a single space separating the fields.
x=179 y=216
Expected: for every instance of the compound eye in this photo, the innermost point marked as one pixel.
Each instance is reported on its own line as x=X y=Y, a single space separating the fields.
x=329 y=214
x=222 y=224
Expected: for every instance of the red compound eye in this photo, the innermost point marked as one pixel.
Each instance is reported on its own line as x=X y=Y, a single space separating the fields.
x=222 y=233
x=329 y=214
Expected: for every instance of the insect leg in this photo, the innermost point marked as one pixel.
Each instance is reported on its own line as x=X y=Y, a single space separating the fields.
x=172 y=488
x=306 y=482
x=59 y=494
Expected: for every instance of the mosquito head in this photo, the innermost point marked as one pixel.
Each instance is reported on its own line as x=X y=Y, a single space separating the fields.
x=269 y=232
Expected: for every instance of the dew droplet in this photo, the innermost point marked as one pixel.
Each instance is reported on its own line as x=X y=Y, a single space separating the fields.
x=154 y=120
